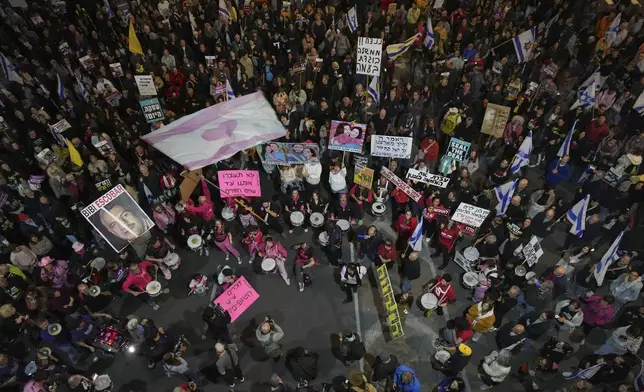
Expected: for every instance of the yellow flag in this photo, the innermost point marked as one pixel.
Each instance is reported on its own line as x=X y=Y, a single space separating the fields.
x=135 y=45
x=74 y=155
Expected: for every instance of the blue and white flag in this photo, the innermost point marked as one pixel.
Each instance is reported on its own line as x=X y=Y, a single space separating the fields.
x=9 y=70
x=110 y=13
x=396 y=50
x=504 y=195
x=587 y=99
x=607 y=259
x=577 y=216
x=585 y=374
x=594 y=78
x=524 y=44
x=60 y=88
x=429 y=34
x=230 y=94
x=639 y=380
x=522 y=157
x=223 y=10
x=638 y=106
x=611 y=34
x=82 y=89
x=374 y=90
x=416 y=239
x=565 y=146
x=352 y=19
x=586 y=175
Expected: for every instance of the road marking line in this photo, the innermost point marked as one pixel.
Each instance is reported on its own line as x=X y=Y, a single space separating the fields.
x=356 y=308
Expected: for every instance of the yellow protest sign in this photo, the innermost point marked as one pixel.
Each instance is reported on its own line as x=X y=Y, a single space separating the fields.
x=389 y=301
x=364 y=177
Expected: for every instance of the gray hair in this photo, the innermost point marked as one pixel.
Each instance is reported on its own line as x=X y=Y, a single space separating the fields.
x=504 y=358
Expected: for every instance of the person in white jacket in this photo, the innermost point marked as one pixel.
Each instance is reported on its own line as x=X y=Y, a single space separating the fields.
x=495 y=368
x=312 y=172
x=623 y=340
x=337 y=179
x=569 y=315
x=626 y=289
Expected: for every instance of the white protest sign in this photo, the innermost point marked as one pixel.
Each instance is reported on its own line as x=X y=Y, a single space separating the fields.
x=470 y=215
x=391 y=146
x=18 y=3
x=439 y=4
x=145 y=83
x=427 y=178
x=369 y=56
x=61 y=126
x=400 y=184
x=532 y=251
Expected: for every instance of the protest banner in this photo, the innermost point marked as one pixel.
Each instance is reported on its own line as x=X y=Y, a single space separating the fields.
x=86 y=62
x=457 y=150
x=117 y=218
x=364 y=177
x=237 y=298
x=145 y=83
x=117 y=70
x=389 y=302
x=427 y=178
x=438 y=4
x=46 y=156
x=441 y=210
x=60 y=126
x=369 y=56
x=36 y=19
x=391 y=146
x=104 y=185
x=400 y=184
x=345 y=136
x=470 y=215
x=466 y=229
x=462 y=262
x=391 y=8
x=495 y=119
x=532 y=251
x=277 y=153
x=239 y=183
x=360 y=161
x=104 y=148
x=64 y=49
x=18 y=4
x=152 y=110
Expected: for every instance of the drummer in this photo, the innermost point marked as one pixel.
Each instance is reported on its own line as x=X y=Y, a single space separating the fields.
x=303 y=260
x=205 y=209
x=244 y=212
x=317 y=204
x=361 y=196
x=85 y=329
x=253 y=241
x=294 y=203
x=441 y=288
x=270 y=212
x=139 y=277
x=224 y=241
x=344 y=209
x=191 y=225
x=274 y=250
x=159 y=251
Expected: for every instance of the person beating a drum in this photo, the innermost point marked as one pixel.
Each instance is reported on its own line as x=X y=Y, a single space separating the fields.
x=139 y=277
x=441 y=288
x=295 y=204
x=274 y=250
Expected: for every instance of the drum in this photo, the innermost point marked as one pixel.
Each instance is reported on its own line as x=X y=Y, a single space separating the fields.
x=344 y=225
x=172 y=260
x=110 y=339
x=98 y=263
x=103 y=383
x=471 y=254
x=442 y=356
x=317 y=220
x=323 y=238
x=378 y=209
x=520 y=270
x=228 y=214
x=269 y=266
x=470 y=280
x=195 y=242
x=297 y=218
x=429 y=301
x=153 y=288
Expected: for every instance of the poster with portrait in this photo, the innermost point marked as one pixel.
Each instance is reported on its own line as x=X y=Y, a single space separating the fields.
x=495 y=119
x=86 y=62
x=117 y=218
x=117 y=70
x=347 y=136
x=276 y=153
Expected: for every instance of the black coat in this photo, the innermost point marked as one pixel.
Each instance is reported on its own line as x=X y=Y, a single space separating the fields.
x=534 y=331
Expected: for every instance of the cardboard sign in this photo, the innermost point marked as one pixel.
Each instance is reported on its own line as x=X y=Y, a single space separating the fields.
x=466 y=229
x=277 y=153
x=117 y=218
x=457 y=150
x=532 y=251
x=104 y=185
x=391 y=9
x=400 y=184
x=117 y=70
x=346 y=136
x=495 y=119
x=86 y=62
x=364 y=177
x=239 y=297
x=360 y=161
x=439 y=4
x=441 y=210
x=391 y=146
x=427 y=178
x=46 y=156
x=239 y=183
x=369 y=56
x=61 y=126
x=612 y=177
x=189 y=183
x=211 y=61
x=389 y=302
x=470 y=215
x=145 y=83
x=152 y=110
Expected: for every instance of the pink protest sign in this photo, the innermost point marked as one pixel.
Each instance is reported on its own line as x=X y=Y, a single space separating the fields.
x=239 y=297
x=239 y=183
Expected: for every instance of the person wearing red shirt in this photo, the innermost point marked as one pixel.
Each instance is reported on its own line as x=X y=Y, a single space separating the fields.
x=205 y=208
x=138 y=279
x=430 y=149
x=597 y=130
x=360 y=196
x=405 y=227
x=431 y=216
x=441 y=287
x=447 y=237
x=399 y=201
x=386 y=254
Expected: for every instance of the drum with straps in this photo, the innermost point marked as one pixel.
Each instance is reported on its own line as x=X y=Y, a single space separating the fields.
x=172 y=260
x=471 y=254
x=378 y=209
x=317 y=220
x=195 y=242
x=153 y=288
x=344 y=225
x=297 y=218
x=323 y=238
x=469 y=280
x=228 y=214
x=269 y=266
x=429 y=301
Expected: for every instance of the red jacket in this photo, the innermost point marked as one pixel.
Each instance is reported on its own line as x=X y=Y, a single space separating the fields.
x=205 y=210
x=443 y=291
x=448 y=237
x=389 y=254
x=400 y=196
x=431 y=151
x=596 y=132
x=406 y=228
x=357 y=191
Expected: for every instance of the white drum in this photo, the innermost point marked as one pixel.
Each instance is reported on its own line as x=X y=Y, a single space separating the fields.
x=442 y=356
x=317 y=220
x=228 y=214
x=378 y=209
x=297 y=218
x=269 y=265
x=195 y=242
x=471 y=254
x=344 y=225
x=429 y=301
x=323 y=238
x=172 y=260
x=520 y=271
x=153 y=288
x=103 y=383
x=470 y=280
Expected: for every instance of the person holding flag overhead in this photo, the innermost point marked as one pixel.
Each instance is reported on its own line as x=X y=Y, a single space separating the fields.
x=504 y=196
x=558 y=171
x=352 y=19
x=524 y=44
x=522 y=157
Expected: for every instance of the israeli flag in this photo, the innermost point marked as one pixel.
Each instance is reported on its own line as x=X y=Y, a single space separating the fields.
x=429 y=34
x=586 y=175
x=524 y=43
x=223 y=10
x=9 y=70
x=607 y=260
x=522 y=157
x=611 y=34
x=577 y=216
x=638 y=106
x=230 y=94
x=639 y=380
x=374 y=90
x=587 y=99
x=110 y=13
x=595 y=78
x=60 y=88
x=415 y=241
x=82 y=89
x=564 y=149
x=352 y=19
x=504 y=196
x=585 y=374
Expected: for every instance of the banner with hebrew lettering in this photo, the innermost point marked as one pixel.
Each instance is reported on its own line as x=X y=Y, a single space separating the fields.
x=391 y=146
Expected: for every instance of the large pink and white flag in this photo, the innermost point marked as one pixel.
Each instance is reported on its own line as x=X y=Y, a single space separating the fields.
x=218 y=132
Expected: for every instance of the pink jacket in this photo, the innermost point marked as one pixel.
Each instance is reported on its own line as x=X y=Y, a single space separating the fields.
x=165 y=217
x=205 y=210
x=594 y=313
x=275 y=252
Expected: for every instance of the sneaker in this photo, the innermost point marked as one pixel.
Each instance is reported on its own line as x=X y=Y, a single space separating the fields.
x=442 y=267
x=250 y=260
x=566 y=374
x=207 y=252
x=241 y=379
x=427 y=240
x=227 y=257
x=290 y=231
x=347 y=300
x=301 y=286
x=239 y=260
x=165 y=291
x=306 y=230
x=231 y=385
x=288 y=282
x=155 y=306
x=434 y=254
x=151 y=364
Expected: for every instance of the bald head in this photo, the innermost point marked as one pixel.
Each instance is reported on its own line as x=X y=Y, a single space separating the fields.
x=518 y=329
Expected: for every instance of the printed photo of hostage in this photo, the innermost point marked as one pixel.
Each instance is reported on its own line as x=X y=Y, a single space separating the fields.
x=345 y=136
x=272 y=154
x=300 y=153
x=117 y=218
